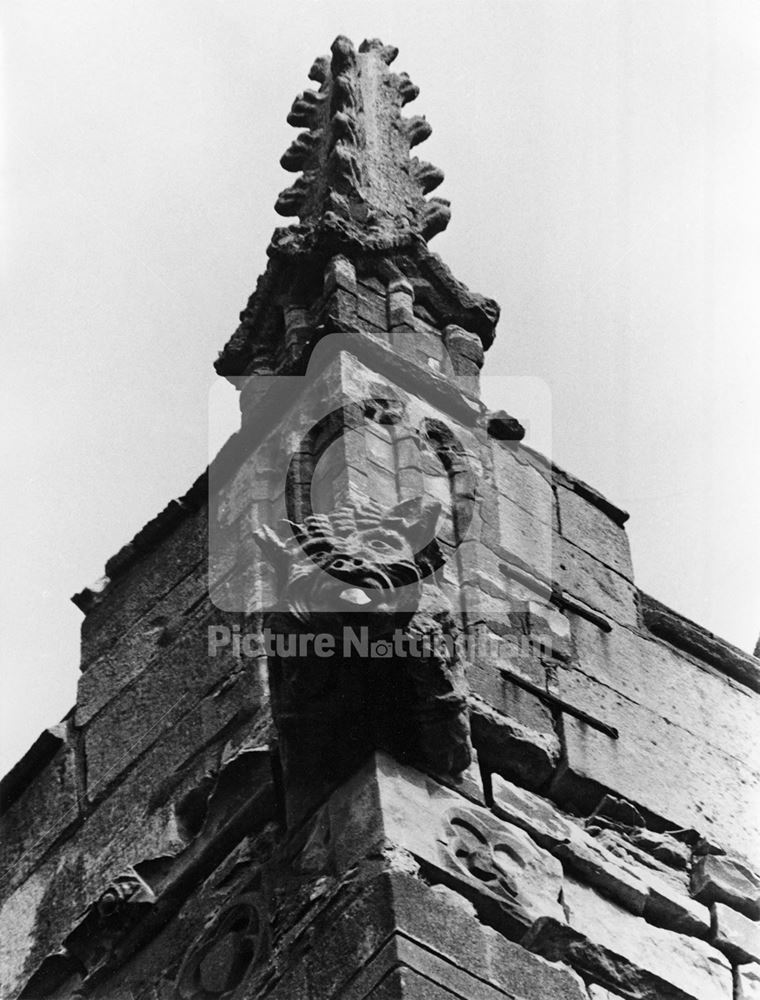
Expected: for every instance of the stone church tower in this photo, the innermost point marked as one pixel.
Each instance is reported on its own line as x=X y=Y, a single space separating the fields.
x=376 y=710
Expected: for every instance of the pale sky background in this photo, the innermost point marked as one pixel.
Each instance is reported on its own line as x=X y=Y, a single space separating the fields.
x=602 y=160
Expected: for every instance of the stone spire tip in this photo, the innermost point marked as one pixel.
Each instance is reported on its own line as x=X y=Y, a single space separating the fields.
x=358 y=182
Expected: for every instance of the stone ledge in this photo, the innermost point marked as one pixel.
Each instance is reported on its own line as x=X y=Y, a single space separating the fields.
x=736 y=935
x=718 y=878
x=616 y=514
x=624 y=953
x=31 y=765
x=639 y=889
x=42 y=808
x=692 y=638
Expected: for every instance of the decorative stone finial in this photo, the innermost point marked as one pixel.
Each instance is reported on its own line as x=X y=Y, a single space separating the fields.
x=363 y=215
x=358 y=183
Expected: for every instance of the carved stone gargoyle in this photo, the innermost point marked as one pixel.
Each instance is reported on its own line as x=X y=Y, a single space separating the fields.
x=391 y=676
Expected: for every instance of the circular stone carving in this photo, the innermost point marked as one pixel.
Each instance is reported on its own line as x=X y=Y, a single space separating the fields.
x=482 y=853
x=221 y=959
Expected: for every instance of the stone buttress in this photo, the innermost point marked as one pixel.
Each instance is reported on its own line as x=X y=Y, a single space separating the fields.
x=522 y=779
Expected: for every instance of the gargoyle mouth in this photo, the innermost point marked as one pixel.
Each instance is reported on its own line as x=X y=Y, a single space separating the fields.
x=355 y=596
x=363 y=591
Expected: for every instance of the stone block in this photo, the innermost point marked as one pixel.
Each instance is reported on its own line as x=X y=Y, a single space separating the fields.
x=406 y=984
x=184 y=684
x=691 y=694
x=469 y=783
x=720 y=878
x=748 y=982
x=700 y=643
x=635 y=886
x=144 y=584
x=436 y=941
x=24 y=936
x=46 y=808
x=625 y=843
x=133 y=652
x=371 y=307
x=655 y=763
x=507 y=747
x=512 y=700
x=155 y=812
x=506 y=875
x=584 y=578
x=622 y=952
x=538 y=816
x=600 y=993
x=510 y=880
x=736 y=935
x=35 y=918
x=588 y=527
x=667 y=907
x=442 y=921
x=689 y=964
x=523 y=484
x=524 y=536
x=599 y=868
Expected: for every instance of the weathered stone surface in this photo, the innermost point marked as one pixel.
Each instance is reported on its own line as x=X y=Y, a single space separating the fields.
x=522 y=483
x=396 y=922
x=647 y=766
x=598 y=867
x=600 y=993
x=718 y=878
x=442 y=920
x=582 y=576
x=586 y=526
x=735 y=934
x=623 y=952
x=624 y=842
x=187 y=691
x=505 y=860
x=509 y=878
x=133 y=652
x=403 y=983
x=46 y=808
x=523 y=535
x=540 y=817
x=489 y=684
x=509 y=748
x=698 y=641
x=148 y=581
x=642 y=889
x=469 y=783
x=748 y=982
x=666 y=907
x=504 y=427
x=167 y=841
x=689 y=694
x=27 y=930
x=366 y=569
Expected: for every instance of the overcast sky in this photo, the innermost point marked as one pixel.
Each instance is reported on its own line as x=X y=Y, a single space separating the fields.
x=602 y=162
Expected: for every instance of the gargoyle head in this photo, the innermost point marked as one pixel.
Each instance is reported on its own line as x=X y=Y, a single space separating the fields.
x=358 y=560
